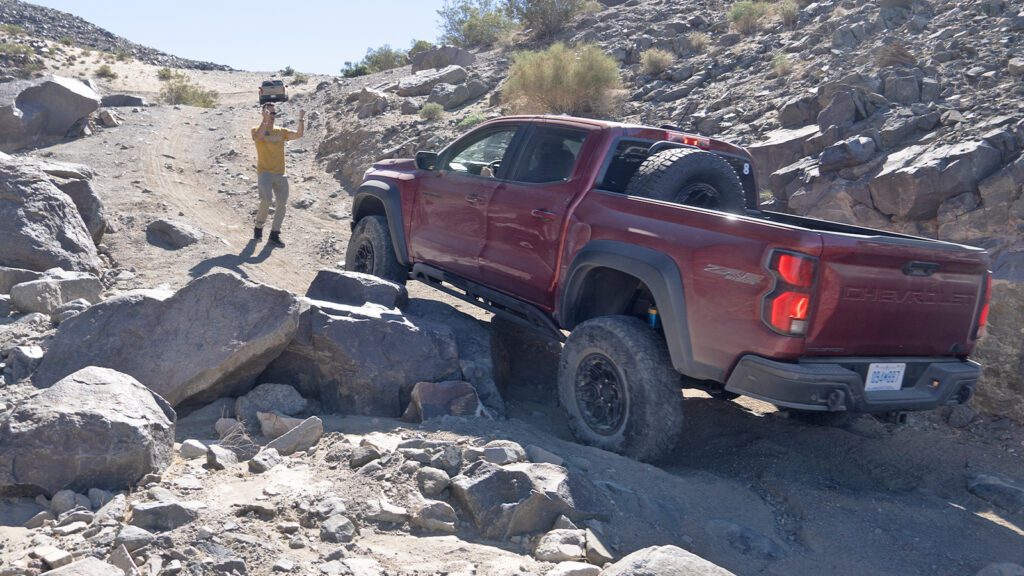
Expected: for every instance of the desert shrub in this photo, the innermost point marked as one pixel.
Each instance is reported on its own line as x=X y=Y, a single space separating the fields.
x=384 y=58
x=105 y=71
x=655 y=61
x=419 y=46
x=545 y=17
x=299 y=78
x=473 y=23
x=354 y=69
x=11 y=29
x=470 y=121
x=165 y=74
x=431 y=111
x=288 y=71
x=122 y=55
x=86 y=53
x=746 y=16
x=789 y=13
x=67 y=40
x=699 y=41
x=582 y=81
x=180 y=91
x=782 y=65
x=12 y=49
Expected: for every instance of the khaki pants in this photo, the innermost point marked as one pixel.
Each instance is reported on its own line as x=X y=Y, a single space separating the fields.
x=272 y=187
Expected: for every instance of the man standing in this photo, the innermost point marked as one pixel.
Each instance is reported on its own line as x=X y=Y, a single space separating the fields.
x=271 y=179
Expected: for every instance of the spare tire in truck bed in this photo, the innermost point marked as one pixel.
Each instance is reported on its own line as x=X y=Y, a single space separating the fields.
x=689 y=176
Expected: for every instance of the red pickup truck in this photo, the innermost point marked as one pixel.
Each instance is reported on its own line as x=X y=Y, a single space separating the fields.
x=648 y=248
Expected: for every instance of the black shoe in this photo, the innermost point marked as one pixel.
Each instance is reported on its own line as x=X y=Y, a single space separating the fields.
x=257 y=233
x=275 y=239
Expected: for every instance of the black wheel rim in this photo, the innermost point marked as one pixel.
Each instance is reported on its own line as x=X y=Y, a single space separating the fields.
x=600 y=395
x=364 y=258
x=699 y=195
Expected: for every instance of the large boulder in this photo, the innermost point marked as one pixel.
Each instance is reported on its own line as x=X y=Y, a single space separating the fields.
x=55 y=289
x=40 y=226
x=96 y=428
x=357 y=360
x=780 y=148
x=441 y=57
x=279 y=398
x=916 y=180
x=1001 y=354
x=356 y=289
x=44 y=110
x=210 y=339
x=662 y=560
x=421 y=83
x=123 y=100
x=522 y=498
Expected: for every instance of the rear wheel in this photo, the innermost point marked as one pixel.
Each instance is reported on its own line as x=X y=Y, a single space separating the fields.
x=370 y=251
x=618 y=388
x=691 y=177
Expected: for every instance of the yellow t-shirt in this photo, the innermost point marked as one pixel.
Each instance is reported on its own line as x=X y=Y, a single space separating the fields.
x=270 y=155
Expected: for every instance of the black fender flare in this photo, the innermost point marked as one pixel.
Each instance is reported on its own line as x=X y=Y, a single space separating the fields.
x=368 y=196
x=660 y=274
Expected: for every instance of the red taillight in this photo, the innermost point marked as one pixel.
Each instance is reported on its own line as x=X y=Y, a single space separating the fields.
x=983 y=317
x=796 y=270
x=787 y=307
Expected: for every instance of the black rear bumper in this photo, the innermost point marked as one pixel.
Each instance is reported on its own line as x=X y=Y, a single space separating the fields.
x=837 y=384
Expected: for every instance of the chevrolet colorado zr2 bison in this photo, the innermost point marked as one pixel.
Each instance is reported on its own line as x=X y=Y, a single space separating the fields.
x=645 y=251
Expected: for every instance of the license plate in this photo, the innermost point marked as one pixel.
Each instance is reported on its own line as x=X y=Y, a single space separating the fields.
x=884 y=376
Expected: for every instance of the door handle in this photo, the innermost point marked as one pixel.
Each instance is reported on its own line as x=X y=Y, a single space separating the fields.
x=473 y=198
x=544 y=215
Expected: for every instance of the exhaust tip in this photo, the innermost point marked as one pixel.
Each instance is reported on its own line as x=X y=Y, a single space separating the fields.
x=964 y=394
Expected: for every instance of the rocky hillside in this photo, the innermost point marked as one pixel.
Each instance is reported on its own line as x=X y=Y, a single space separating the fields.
x=902 y=115
x=56 y=26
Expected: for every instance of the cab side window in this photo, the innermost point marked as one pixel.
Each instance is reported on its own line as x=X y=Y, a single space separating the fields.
x=550 y=155
x=480 y=154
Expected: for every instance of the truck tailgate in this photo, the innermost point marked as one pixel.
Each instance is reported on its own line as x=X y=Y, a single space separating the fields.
x=884 y=296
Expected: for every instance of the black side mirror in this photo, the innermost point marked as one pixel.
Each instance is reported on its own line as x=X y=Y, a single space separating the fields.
x=426 y=160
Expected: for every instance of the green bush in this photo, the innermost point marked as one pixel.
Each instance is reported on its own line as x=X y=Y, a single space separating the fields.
x=470 y=121
x=122 y=55
x=582 y=81
x=354 y=69
x=12 y=49
x=419 y=46
x=105 y=71
x=746 y=15
x=789 y=13
x=288 y=71
x=299 y=78
x=11 y=29
x=384 y=58
x=67 y=40
x=782 y=65
x=473 y=23
x=165 y=74
x=699 y=41
x=655 y=61
x=432 y=111
x=545 y=17
x=180 y=91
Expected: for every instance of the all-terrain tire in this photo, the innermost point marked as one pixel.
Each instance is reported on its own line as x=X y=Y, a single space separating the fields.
x=692 y=177
x=370 y=251
x=646 y=389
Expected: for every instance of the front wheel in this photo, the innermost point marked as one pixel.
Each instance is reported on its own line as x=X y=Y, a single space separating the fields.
x=618 y=388
x=370 y=251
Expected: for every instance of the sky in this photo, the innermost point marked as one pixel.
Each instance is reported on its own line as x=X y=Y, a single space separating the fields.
x=311 y=36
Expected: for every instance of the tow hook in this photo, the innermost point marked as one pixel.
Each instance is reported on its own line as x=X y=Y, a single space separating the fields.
x=964 y=394
x=899 y=417
x=836 y=401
